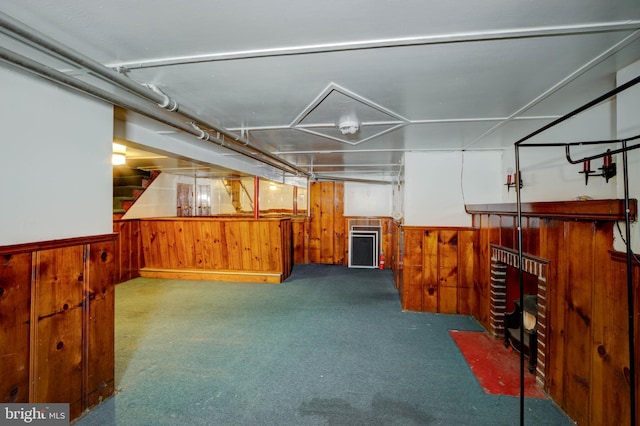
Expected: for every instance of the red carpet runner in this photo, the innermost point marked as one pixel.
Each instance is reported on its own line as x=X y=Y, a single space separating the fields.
x=496 y=367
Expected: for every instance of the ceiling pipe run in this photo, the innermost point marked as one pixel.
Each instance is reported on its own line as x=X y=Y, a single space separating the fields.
x=148 y=92
x=347 y=179
x=470 y=37
x=60 y=78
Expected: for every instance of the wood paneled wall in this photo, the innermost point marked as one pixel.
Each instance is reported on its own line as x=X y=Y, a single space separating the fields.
x=57 y=322
x=328 y=227
x=300 y=231
x=327 y=232
x=438 y=270
x=587 y=353
x=229 y=249
x=129 y=249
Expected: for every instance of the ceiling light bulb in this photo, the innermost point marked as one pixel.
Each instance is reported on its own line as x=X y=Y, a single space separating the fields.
x=119 y=155
x=118 y=159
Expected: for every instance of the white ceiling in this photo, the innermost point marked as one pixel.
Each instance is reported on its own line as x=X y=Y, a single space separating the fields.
x=414 y=75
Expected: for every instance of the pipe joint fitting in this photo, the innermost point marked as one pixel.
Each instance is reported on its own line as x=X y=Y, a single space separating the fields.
x=167 y=102
x=203 y=135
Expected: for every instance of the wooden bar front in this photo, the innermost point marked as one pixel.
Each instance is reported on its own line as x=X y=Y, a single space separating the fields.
x=217 y=248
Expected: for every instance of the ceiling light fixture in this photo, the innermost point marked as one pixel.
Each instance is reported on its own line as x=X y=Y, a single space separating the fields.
x=348 y=127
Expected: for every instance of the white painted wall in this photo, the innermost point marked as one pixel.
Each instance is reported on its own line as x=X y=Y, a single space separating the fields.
x=546 y=173
x=439 y=184
x=366 y=199
x=55 y=161
x=628 y=123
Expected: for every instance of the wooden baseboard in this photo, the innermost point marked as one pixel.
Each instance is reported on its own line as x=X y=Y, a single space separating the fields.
x=209 y=275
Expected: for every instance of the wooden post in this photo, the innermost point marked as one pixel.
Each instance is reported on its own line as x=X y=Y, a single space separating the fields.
x=295 y=200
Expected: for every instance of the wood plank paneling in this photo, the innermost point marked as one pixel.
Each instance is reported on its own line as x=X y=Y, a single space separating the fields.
x=100 y=320
x=552 y=244
x=466 y=272
x=300 y=231
x=247 y=245
x=586 y=362
x=278 y=247
x=263 y=245
x=327 y=230
x=198 y=257
x=241 y=245
x=482 y=272
x=56 y=341
x=57 y=359
x=508 y=235
x=218 y=249
x=15 y=300
x=531 y=236
x=411 y=293
x=577 y=308
x=441 y=262
x=168 y=245
x=609 y=343
x=340 y=227
x=64 y=318
x=448 y=271
x=413 y=240
x=430 y=270
x=287 y=256
x=180 y=253
x=60 y=274
x=315 y=224
x=327 y=220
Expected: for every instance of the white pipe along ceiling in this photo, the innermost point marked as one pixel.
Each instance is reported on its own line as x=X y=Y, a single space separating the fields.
x=330 y=90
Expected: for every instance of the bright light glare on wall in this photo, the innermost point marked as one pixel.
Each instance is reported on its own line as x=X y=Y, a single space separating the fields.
x=119 y=155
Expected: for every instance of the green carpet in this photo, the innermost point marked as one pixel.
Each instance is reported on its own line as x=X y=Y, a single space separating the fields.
x=329 y=346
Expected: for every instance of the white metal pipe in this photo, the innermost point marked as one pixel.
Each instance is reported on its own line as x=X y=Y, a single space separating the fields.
x=504 y=34
x=35 y=38
x=58 y=77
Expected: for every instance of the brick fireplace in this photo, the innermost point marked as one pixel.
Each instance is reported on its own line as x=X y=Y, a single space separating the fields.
x=501 y=259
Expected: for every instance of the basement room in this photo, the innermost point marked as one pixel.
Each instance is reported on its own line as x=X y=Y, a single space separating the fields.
x=320 y=213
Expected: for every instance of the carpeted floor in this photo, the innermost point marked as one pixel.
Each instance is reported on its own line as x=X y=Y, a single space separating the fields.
x=329 y=346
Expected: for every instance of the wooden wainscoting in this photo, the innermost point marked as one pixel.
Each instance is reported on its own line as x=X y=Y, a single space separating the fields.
x=300 y=231
x=129 y=249
x=57 y=322
x=438 y=270
x=217 y=248
x=586 y=351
